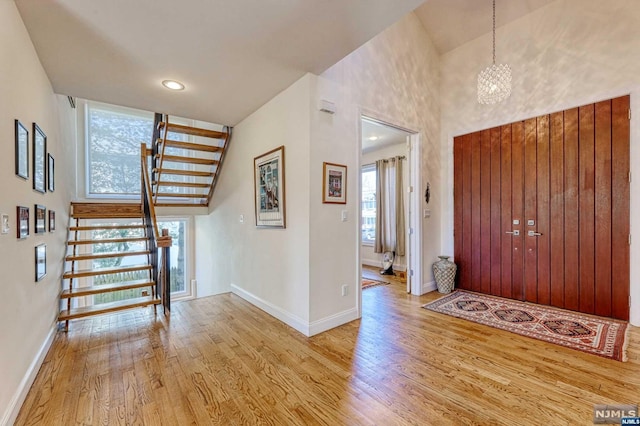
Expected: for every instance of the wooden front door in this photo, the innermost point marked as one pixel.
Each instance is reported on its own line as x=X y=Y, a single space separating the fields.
x=541 y=209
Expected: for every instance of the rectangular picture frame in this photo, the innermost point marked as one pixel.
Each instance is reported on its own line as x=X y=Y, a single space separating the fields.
x=23 y=222
x=39 y=158
x=41 y=261
x=51 y=173
x=52 y=221
x=269 y=189
x=22 y=150
x=40 y=219
x=334 y=183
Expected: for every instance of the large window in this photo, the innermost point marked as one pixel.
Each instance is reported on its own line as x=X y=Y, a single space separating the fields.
x=368 y=204
x=178 y=232
x=114 y=135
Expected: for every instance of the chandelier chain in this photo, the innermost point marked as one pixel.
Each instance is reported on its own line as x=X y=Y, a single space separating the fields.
x=494 y=32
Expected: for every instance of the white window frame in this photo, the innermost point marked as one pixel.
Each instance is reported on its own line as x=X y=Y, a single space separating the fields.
x=366 y=168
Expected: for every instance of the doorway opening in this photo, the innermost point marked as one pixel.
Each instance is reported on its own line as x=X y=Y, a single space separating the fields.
x=389 y=177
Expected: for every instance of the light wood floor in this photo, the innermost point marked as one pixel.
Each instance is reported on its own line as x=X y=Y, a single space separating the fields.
x=219 y=360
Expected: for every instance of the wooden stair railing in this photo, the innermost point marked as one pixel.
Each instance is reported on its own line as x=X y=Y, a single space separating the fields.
x=135 y=279
x=186 y=175
x=159 y=241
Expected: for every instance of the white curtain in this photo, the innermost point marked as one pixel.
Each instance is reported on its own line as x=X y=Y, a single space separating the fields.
x=390 y=224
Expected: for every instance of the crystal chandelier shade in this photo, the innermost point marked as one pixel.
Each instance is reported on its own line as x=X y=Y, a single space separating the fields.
x=494 y=82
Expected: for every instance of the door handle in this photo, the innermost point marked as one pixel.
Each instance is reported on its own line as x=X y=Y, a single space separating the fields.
x=533 y=234
x=515 y=232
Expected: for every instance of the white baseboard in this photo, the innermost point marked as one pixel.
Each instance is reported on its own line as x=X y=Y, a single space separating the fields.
x=286 y=317
x=13 y=409
x=428 y=287
x=333 y=321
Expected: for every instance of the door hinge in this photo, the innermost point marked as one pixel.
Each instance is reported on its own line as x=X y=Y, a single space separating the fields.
x=629 y=177
x=411 y=272
x=410 y=189
x=629 y=113
x=629 y=239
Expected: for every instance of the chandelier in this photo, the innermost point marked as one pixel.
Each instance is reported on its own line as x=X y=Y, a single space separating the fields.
x=494 y=82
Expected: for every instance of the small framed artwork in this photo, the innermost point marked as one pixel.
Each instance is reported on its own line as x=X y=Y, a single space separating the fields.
x=334 y=183
x=41 y=221
x=22 y=151
x=5 y=223
x=41 y=261
x=51 y=184
x=39 y=155
x=52 y=221
x=23 y=222
x=269 y=189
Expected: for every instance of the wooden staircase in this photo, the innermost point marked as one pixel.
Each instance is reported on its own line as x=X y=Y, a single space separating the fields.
x=110 y=234
x=185 y=171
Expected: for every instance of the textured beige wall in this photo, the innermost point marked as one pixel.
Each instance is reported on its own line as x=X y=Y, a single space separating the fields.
x=566 y=54
x=394 y=77
x=29 y=308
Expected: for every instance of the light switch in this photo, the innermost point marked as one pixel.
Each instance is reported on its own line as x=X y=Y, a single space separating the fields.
x=344 y=216
x=241 y=218
x=427 y=213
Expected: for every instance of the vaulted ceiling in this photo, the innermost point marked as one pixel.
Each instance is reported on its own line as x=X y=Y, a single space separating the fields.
x=232 y=55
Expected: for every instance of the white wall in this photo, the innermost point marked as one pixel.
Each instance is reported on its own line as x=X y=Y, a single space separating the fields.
x=566 y=54
x=269 y=267
x=29 y=309
x=367 y=255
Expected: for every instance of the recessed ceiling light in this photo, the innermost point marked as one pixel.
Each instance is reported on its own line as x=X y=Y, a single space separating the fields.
x=373 y=138
x=173 y=85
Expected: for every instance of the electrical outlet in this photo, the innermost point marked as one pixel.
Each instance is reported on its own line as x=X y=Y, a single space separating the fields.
x=345 y=290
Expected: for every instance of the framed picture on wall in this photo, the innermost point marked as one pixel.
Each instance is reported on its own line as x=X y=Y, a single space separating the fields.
x=41 y=261
x=51 y=185
x=22 y=151
x=23 y=222
x=52 y=221
x=41 y=221
x=334 y=183
x=269 y=188
x=39 y=155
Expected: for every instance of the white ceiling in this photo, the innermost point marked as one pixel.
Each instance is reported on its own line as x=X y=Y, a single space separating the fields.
x=376 y=136
x=452 y=23
x=232 y=55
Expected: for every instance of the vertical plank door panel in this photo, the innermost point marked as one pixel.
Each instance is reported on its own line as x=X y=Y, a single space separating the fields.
x=586 y=186
x=505 y=212
x=620 y=207
x=475 y=212
x=571 y=212
x=603 y=208
x=458 y=204
x=517 y=206
x=530 y=211
x=542 y=215
x=496 y=233
x=556 y=208
x=485 y=211
x=467 y=240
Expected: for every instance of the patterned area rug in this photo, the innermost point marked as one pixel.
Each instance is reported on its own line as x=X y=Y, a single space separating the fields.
x=599 y=336
x=367 y=283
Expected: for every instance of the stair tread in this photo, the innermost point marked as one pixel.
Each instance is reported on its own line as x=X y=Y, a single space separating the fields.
x=100 y=227
x=104 y=308
x=194 y=131
x=105 y=271
x=105 y=288
x=175 y=195
x=191 y=146
x=106 y=210
x=190 y=160
x=183 y=172
x=181 y=205
x=107 y=241
x=182 y=184
x=90 y=256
